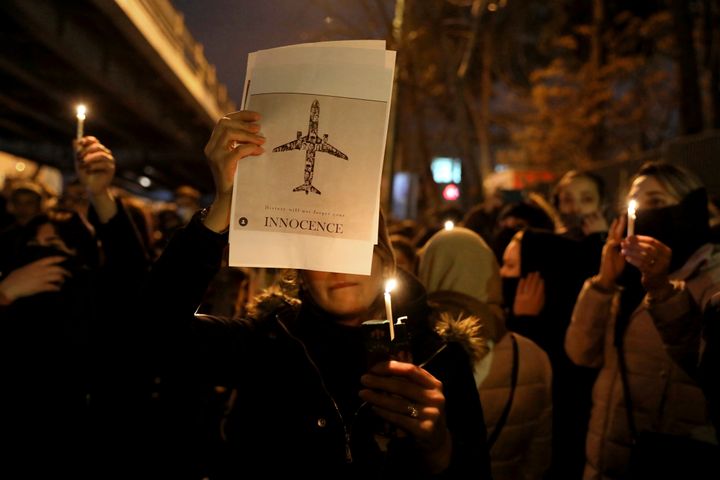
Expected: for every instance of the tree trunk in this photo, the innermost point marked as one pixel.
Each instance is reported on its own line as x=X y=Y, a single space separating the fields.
x=712 y=56
x=690 y=101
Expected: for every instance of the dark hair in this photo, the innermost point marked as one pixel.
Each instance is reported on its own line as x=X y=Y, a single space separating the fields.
x=406 y=228
x=574 y=175
x=73 y=231
x=449 y=212
x=402 y=244
x=534 y=215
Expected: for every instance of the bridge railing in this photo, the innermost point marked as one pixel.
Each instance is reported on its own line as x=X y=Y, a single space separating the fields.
x=172 y=23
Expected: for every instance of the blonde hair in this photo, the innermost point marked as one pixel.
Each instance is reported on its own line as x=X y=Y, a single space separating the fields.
x=677 y=180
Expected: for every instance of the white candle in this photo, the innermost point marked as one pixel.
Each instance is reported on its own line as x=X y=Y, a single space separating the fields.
x=390 y=286
x=632 y=208
x=81 y=111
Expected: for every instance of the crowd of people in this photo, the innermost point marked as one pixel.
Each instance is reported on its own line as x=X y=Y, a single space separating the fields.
x=544 y=340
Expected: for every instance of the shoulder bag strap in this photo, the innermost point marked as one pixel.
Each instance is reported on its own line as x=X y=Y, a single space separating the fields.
x=514 y=376
x=622 y=365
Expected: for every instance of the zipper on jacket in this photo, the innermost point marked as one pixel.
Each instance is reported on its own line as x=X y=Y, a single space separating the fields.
x=348 y=451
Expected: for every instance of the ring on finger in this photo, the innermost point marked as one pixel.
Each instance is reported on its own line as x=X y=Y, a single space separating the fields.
x=412 y=410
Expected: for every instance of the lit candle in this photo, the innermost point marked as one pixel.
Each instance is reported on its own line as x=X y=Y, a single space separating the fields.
x=449 y=225
x=81 y=111
x=390 y=286
x=632 y=207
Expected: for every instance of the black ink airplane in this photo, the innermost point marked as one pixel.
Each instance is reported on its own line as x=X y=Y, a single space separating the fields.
x=311 y=143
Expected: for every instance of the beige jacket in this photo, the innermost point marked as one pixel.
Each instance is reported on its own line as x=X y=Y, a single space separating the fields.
x=523 y=449
x=664 y=398
x=462 y=278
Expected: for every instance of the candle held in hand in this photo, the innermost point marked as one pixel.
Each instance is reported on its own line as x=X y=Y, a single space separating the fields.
x=81 y=111
x=632 y=208
x=390 y=286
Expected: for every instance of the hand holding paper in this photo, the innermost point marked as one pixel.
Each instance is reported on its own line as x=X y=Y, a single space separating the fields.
x=235 y=136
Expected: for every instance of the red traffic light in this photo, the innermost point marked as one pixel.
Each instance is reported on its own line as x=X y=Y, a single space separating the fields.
x=451 y=192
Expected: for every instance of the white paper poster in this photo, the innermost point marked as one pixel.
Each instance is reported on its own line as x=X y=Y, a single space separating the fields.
x=311 y=201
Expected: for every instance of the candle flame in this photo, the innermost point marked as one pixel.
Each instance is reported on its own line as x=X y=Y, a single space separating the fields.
x=449 y=225
x=632 y=207
x=390 y=285
x=81 y=111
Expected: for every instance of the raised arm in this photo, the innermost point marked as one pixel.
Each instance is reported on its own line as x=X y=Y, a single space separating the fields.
x=585 y=337
x=236 y=136
x=95 y=168
x=180 y=277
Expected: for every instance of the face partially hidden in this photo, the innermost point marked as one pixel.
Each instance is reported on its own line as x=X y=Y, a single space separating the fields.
x=511 y=260
x=343 y=295
x=579 y=197
x=47 y=236
x=649 y=193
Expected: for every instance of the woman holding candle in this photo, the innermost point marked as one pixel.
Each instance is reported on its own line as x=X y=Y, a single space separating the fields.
x=302 y=398
x=668 y=271
x=71 y=396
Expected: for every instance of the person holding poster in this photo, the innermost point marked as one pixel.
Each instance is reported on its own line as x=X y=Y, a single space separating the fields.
x=303 y=402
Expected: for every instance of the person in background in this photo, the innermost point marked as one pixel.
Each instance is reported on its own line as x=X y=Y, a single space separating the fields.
x=482 y=218
x=405 y=254
x=6 y=218
x=541 y=281
x=305 y=401
x=515 y=217
x=665 y=273
x=187 y=199
x=714 y=209
x=25 y=201
x=407 y=228
x=72 y=396
x=512 y=373
x=166 y=222
x=75 y=197
x=436 y=221
x=578 y=197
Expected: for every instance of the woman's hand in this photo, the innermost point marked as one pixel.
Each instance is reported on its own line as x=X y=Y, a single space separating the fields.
x=95 y=165
x=613 y=262
x=235 y=136
x=95 y=168
x=44 y=275
x=412 y=399
x=652 y=258
x=530 y=295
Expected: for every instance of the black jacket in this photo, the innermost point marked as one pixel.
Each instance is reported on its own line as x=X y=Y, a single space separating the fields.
x=72 y=393
x=294 y=377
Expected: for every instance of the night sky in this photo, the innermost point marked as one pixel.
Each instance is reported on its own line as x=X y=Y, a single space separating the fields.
x=230 y=29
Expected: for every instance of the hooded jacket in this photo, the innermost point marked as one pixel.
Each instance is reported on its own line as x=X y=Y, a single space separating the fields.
x=462 y=277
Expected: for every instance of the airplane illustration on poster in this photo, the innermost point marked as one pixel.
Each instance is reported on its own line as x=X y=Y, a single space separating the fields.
x=311 y=143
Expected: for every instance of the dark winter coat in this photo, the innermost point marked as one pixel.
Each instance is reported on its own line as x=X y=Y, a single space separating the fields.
x=294 y=375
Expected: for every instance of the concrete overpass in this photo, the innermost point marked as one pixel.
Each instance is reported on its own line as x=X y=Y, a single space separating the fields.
x=151 y=94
